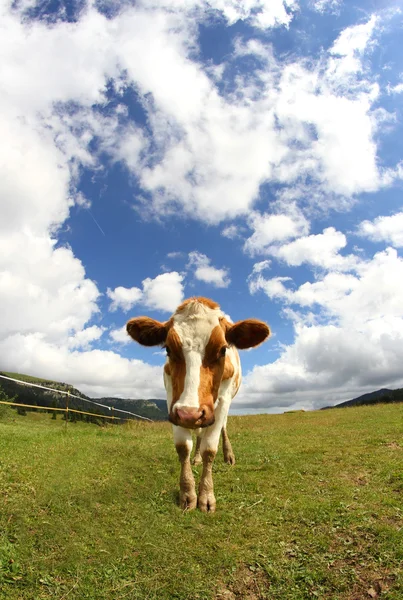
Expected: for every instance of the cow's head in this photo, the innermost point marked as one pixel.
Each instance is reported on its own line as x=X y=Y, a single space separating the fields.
x=196 y=339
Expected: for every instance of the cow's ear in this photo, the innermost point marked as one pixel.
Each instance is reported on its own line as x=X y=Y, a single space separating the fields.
x=146 y=331
x=247 y=333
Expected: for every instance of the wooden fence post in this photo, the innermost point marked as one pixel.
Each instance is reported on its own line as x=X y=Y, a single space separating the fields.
x=67 y=409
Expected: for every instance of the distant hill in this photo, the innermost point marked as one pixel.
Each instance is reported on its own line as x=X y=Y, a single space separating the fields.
x=153 y=409
x=383 y=395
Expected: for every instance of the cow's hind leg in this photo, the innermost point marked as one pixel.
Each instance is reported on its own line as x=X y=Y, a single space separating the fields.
x=197 y=459
x=229 y=456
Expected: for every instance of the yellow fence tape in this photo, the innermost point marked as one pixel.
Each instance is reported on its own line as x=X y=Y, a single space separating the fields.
x=79 y=412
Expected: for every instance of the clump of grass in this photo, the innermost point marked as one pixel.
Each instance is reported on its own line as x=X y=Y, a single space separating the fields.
x=313 y=509
x=6 y=412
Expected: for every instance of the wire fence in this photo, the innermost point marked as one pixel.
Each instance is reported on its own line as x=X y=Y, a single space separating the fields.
x=67 y=409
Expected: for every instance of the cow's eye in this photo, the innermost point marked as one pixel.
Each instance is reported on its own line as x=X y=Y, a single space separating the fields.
x=223 y=351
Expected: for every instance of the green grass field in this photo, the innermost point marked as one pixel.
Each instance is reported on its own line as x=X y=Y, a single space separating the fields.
x=312 y=509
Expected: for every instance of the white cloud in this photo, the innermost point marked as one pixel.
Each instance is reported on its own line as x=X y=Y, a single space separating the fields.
x=325 y=362
x=320 y=250
x=44 y=289
x=270 y=228
x=231 y=232
x=124 y=298
x=40 y=197
x=384 y=229
x=204 y=150
x=263 y=14
x=351 y=343
x=367 y=293
x=84 y=338
x=217 y=277
x=51 y=78
x=323 y=6
x=120 y=336
x=204 y=271
x=82 y=201
x=395 y=89
x=274 y=287
x=261 y=266
x=296 y=120
x=164 y=292
x=94 y=372
x=355 y=39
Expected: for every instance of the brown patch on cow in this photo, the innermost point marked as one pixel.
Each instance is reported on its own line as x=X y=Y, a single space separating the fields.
x=211 y=373
x=214 y=346
x=148 y=332
x=212 y=369
x=228 y=368
x=237 y=381
x=246 y=334
x=225 y=324
x=206 y=301
x=210 y=379
x=176 y=367
x=173 y=345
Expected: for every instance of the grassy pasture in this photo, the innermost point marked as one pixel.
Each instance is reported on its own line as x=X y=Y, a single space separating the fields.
x=312 y=509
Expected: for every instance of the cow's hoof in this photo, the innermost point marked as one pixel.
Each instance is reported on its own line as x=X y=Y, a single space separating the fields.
x=206 y=502
x=188 y=501
x=229 y=458
x=197 y=460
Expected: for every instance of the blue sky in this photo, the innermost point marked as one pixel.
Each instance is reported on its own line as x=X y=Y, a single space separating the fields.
x=250 y=152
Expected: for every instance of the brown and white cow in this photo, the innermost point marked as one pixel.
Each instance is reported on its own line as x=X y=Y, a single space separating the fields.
x=201 y=376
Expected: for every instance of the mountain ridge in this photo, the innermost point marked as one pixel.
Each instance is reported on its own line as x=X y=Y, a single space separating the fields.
x=383 y=395
x=154 y=409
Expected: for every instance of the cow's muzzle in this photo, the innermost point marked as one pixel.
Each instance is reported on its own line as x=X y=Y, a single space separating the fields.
x=192 y=418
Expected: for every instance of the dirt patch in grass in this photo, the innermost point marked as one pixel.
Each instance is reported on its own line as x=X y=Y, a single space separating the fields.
x=371 y=585
x=247 y=583
x=394 y=446
x=366 y=578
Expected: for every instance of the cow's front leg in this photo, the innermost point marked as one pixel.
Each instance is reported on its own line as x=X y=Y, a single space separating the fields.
x=206 y=500
x=187 y=490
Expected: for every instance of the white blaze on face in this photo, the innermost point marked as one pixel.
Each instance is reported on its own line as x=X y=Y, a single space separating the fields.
x=194 y=325
x=190 y=394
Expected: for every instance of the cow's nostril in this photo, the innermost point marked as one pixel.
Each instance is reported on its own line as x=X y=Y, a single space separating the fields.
x=203 y=413
x=188 y=416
